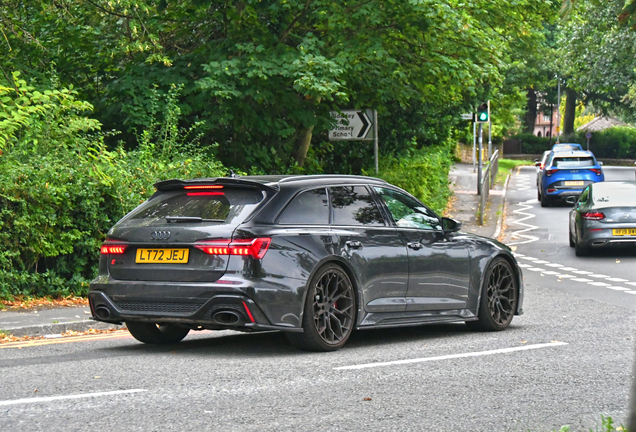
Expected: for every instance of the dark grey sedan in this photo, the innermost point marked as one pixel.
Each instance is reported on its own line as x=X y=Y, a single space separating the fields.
x=313 y=256
x=603 y=215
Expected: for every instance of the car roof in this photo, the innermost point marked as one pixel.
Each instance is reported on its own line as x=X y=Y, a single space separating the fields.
x=272 y=182
x=567 y=144
x=614 y=185
x=575 y=153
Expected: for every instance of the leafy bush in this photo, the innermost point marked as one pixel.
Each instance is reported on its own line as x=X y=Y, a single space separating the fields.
x=61 y=189
x=423 y=173
x=614 y=143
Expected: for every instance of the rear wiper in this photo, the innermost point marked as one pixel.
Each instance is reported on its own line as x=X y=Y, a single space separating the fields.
x=186 y=219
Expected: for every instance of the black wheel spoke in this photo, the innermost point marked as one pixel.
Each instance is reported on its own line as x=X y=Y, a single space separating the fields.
x=501 y=293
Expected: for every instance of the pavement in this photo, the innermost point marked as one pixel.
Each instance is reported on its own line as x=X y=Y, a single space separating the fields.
x=51 y=322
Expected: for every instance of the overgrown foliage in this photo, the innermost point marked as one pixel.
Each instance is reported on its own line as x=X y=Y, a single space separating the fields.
x=61 y=189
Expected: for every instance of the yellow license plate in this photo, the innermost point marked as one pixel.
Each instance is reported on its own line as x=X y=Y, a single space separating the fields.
x=624 y=232
x=162 y=256
x=574 y=183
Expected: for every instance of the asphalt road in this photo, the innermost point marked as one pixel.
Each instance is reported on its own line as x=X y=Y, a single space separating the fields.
x=567 y=360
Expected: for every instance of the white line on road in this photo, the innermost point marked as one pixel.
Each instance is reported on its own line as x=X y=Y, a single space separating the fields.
x=452 y=356
x=524 y=232
x=581 y=280
x=616 y=288
x=77 y=396
x=555 y=265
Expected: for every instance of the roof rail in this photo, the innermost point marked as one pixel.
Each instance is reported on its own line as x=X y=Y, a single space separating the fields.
x=329 y=176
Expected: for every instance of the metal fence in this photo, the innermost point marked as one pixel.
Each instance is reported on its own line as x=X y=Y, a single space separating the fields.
x=487 y=182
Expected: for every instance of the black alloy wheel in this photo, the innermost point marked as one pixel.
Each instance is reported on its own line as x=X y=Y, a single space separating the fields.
x=499 y=297
x=152 y=333
x=329 y=313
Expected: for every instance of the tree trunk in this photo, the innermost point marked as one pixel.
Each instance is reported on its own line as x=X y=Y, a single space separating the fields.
x=531 y=111
x=303 y=145
x=570 y=112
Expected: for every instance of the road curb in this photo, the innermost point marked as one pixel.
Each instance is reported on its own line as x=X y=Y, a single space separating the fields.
x=498 y=229
x=58 y=328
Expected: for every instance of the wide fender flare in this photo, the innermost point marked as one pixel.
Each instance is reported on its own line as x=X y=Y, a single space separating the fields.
x=486 y=261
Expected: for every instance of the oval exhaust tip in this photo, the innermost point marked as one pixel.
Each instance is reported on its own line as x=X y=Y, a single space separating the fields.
x=226 y=317
x=102 y=312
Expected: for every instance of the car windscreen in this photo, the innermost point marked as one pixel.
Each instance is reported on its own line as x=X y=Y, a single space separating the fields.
x=229 y=206
x=573 y=162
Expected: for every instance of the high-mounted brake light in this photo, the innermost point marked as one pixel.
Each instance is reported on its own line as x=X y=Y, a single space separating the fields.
x=247 y=247
x=113 y=249
x=204 y=193
x=593 y=216
x=204 y=187
x=551 y=171
x=597 y=171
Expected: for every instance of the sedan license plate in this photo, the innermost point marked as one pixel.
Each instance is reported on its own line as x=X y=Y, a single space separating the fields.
x=574 y=183
x=624 y=232
x=162 y=256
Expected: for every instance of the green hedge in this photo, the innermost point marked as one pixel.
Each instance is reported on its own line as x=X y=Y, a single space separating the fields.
x=61 y=189
x=423 y=173
x=613 y=143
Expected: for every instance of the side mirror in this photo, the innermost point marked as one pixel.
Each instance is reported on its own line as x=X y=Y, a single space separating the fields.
x=600 y=163
x=451 y=225
x=570 y=200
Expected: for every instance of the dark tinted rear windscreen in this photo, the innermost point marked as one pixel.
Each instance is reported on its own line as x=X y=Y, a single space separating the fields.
x=230 y=205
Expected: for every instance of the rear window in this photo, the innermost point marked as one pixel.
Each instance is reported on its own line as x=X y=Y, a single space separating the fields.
x=230 y=206
x=573 y=162
x=615 y=197
x=310 y=207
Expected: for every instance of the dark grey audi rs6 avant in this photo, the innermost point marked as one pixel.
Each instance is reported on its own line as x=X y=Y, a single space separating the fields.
x=313 y=256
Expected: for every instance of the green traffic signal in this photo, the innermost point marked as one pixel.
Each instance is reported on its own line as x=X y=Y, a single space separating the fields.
x=483 y=113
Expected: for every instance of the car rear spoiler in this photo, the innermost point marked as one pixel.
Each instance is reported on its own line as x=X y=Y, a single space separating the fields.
x=173 y=184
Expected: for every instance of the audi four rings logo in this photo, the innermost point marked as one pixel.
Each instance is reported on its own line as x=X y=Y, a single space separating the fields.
x=160 y=235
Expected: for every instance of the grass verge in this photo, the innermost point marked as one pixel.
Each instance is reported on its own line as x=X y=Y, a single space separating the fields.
x=507 y=165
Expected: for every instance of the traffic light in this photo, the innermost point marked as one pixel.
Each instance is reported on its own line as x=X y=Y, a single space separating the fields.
x=483 y=113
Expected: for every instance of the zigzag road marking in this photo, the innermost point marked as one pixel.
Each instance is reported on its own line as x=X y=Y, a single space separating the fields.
x=523 y=234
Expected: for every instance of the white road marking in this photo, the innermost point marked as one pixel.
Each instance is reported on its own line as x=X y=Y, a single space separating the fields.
x=582 y=272
x=555 y=265
x=616 y=280
x=565 y=276
x=535 y=269
x=452 y=356
x=551 y=273
x=598 y=284
x=541 y=262
x=57 y=398
x=523 y=234
x=524 y=265
x=598 y=276
x=630 y=292
x=631 y=283
x=530 y=258
x=616 y=288
x=568 y=269
x=518 y=254
x=581 y=280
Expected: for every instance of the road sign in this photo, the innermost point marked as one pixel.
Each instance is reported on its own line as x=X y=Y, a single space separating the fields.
x=468 y=116
x=352 y=125
x=588 y=135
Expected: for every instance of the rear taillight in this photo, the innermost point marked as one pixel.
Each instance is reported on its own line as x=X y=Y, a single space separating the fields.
x=204 y=193
x=113 y=249
x=204 y=187
x=597 y=171
x=551 y=171
x=246 y=247
x=593 y=216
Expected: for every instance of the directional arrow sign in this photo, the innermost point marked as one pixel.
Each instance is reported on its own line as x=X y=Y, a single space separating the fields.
x=353 y=125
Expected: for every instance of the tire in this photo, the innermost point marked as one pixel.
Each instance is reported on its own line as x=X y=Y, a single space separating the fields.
x=545 y=201
x=152 y=333
x=499 y=297
x=571 y=239
x=579 y=250
x=538 y=195
x=329 y=312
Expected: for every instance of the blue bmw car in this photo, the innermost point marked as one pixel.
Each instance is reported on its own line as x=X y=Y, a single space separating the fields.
x=567 y=174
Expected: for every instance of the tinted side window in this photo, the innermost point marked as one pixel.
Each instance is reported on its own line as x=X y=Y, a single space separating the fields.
x=353 y=205
x=309 y=207
x=407 y=212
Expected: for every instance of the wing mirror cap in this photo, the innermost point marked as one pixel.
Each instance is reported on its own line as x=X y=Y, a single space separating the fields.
x=451 y=225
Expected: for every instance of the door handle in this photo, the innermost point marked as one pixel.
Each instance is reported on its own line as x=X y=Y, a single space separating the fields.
x=354 y=244
x=415 y=245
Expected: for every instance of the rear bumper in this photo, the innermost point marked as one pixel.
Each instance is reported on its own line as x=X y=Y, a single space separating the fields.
x=246 y=305
x=604 y=238
x=223 y=311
